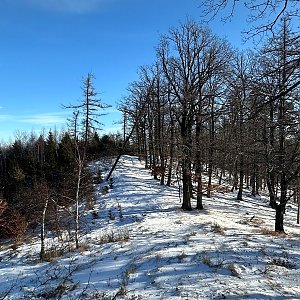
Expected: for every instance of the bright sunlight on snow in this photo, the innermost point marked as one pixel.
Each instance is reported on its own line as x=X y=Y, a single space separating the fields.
x=136 y=243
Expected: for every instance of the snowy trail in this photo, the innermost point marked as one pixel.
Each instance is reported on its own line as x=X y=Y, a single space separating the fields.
x=170 y=245
x=139 y=244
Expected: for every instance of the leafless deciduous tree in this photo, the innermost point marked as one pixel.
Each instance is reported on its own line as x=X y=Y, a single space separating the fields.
x=281 y=60
x=263 y=15
x=204 y=109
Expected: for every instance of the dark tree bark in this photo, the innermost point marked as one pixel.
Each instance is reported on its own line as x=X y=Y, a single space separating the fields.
x=171 y=149
x=211 y=146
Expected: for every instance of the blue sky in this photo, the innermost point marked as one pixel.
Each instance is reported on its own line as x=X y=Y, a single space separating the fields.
x=48 y=46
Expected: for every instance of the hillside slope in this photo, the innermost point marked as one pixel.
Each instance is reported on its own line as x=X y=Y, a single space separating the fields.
x=138 y=244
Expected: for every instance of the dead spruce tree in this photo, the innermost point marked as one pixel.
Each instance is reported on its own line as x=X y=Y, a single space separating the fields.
x=84 y=122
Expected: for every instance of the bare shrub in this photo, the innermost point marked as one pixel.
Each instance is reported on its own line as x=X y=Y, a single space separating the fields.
x=217 y=228
x=83 y=247
x=57 y=282
x=53 y=253
x=120 y=211
x=111 y=215
x=231 y=267
x=272 y=232
x=98 y=178
x=282 y=262
x=90 y=203
x=105 y=190
x=207 y=260
x=182 y=256
x=113 y=236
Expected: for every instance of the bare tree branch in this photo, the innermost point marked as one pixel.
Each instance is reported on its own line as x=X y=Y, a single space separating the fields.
x=263 y=15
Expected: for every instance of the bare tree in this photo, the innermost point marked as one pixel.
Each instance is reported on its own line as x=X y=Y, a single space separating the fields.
x=43 y=192
x=238 y=98
x=178 y=54
x=281 y=61
x=192 y=60
x=135 y=107
x=263 y=15
x=84 y=122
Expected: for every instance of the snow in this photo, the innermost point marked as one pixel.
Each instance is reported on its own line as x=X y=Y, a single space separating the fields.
x=137 y=243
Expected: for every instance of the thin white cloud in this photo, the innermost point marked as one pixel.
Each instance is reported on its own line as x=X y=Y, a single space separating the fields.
x=5 y=117
x=69 y=6
x=44 y=119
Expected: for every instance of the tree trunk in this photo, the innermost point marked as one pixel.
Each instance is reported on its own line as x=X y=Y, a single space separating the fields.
x=199 y=191
x=257 y=182
x=198 y=162
x=77 y=205
x=221 y=177
x=209 y=186
x=252 y=183
x=298 y=211
x=42 y=252
x=235 y=178
x=280 y=209
x=241 y=182
x=171 y=151
x=121 y=152
x=186 y=164
x=211 y=147
x=145 y=146
x=186 y=183
x=163 y=169
x=271 y=189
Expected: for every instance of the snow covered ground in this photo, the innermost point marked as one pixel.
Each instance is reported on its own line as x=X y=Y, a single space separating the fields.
x=137 y=243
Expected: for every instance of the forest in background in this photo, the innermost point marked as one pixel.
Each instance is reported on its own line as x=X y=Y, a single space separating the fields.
x=43 y=177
